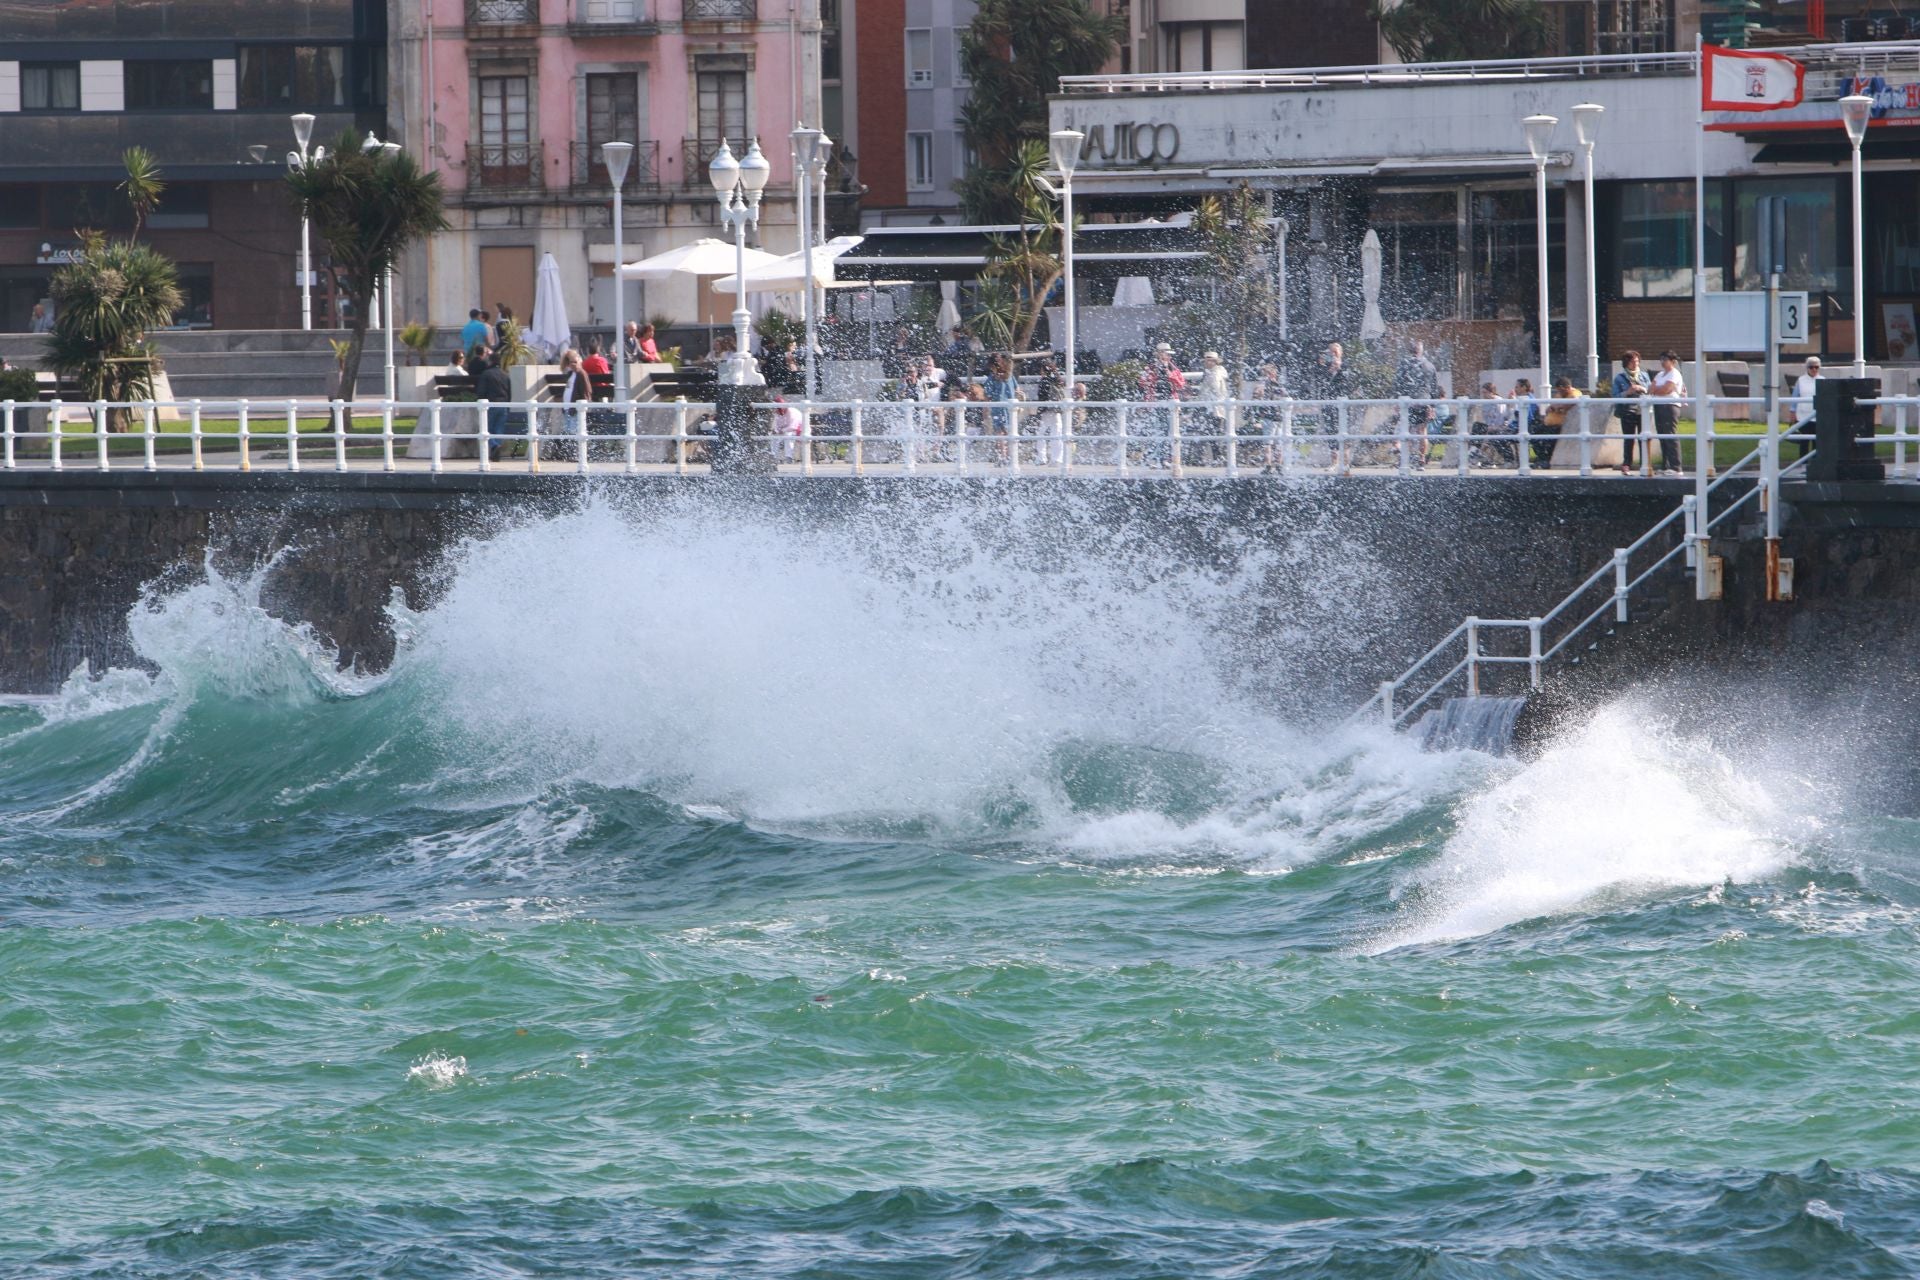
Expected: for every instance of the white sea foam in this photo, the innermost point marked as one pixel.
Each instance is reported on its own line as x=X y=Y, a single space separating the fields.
x=437 y=1070
x=1618 y=808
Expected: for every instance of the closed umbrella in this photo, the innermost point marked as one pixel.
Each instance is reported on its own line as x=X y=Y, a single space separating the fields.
x=1372 y=324
x=1133 y=291
x=549 y=333
x=949 y=307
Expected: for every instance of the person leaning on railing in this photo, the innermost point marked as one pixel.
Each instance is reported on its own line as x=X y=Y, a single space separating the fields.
x=1553 y=423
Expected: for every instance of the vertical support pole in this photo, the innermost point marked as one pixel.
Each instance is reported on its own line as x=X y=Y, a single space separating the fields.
x=1462 y=436
x=340 y=431
x=54 y=433
x=859 y=441
x=1533 y=651
x=1286 y=439
x=1524 y=411
x=1233 y=439
x=244 y=435
x=1386 y=703
x=1586 y=436
x=1900 y=437
x=386 y=436
x=194 y=435
x=1013 y=438
x=1402 y=442
x=1690 y=526
x=100 y=432
x=1770 y=496
x=585 y=465
x=1473 y=657
x=1343 y=464
x=1066 y=433
x=482 y=440
x=433 y=435
x=1646 y=435
x=679 y=435
x=6 y=414
x=1120 y=449
x=1619 y=584
x=910 y=451
x=962 y=452
x=1175 y=464
x=293 y=436
x=633 y=432
x=149 y=424
x=806 y=437
x=533 y=436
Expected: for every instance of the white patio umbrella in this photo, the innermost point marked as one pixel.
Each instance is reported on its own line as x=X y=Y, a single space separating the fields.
x=949 y=307
x=549 y=333
x=1372 y=323
x=707 y=257
x=788 y=273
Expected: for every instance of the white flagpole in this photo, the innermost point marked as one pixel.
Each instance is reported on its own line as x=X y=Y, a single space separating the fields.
x=1703 y=409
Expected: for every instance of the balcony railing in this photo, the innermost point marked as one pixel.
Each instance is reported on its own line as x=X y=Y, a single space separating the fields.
x=590 y=170
x=503 y=13
x=512 y=167
x=718 y=10
x=695 y=155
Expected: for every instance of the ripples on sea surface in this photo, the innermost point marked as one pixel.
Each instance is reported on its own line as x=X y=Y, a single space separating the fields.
x=961 y=921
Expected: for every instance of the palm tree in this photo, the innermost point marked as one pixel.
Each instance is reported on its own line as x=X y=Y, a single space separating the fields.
x=1022 y=268
x=107 y=300
x=1461 y=30
x=1015 y=52
x=368 y=207
x=142 y=186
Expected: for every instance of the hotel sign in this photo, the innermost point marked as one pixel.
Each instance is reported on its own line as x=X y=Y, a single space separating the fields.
x=1131 y=143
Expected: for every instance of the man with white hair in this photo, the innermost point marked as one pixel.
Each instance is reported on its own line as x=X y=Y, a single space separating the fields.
x=1803 y=404
x=1216 y=391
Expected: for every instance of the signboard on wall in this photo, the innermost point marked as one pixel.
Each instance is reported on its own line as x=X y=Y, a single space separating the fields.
x=1738 y=321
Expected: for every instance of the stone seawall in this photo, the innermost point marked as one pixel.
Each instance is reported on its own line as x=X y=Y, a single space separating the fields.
x=1354 y=577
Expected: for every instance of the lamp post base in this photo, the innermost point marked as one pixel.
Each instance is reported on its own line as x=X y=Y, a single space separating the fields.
x=737 y=420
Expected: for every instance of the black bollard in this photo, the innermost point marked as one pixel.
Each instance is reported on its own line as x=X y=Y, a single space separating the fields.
x=735 y=420
x=1840 y=427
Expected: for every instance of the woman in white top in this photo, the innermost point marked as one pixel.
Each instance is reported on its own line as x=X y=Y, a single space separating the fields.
x=1668 y=387
x=1803 y=391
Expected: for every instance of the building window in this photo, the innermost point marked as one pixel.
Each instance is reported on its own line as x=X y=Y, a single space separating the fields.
x=503 y=111
x=1419 y=254
x=1813 y=260
x=172 y=84
x=721 y=89
x=289 y=75
x=610 y=11
x=830 y=40
x=960 y=76
x=19 y=207
x=919 y=56
x=613 y=115
x=49 y=86
x=920 y=162
x=186 y=206
x=1503 y=237
x=1653 y=239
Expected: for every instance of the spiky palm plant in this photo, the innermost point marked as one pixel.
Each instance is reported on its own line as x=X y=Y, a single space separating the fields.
x=142 y=186
x=368 y=207
x=1460 y=30
x=1023 y=267
x=106 y=303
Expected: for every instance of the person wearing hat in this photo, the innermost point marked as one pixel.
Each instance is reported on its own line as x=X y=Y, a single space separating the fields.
x=1163 y=381
x=1216 y=391
x=1803 y=404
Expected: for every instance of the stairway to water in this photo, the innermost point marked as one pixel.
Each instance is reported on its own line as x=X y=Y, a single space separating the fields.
x=1470 y=724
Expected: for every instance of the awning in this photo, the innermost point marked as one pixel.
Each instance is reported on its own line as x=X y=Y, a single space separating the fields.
x=1100 y=251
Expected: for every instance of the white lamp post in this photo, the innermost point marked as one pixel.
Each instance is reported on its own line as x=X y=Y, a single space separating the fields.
x=738 y=184
x=299 y=159
x=617 y=155
x=1855 y=109
x=1539 y=138
x=1063 y=146
x=820 y=187
x=1586 y=127
x=807 y=166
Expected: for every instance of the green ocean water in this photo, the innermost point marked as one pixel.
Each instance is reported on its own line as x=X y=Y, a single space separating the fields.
x=766 y=900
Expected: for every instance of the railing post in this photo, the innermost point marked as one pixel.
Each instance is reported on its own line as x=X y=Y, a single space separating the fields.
x=1386 y=703
x=1586 y=436
x=633 y=438
x=1120 y=449
x=1533 y=651
x=585 y=465
x=1900 y=437
x=1462 y=436
x=483 y=440
x=1175 y=466
x=193 y=434
x=1013 y=439
x=1286 y=439
x=100 y=432
x=679 y=435
x=54 y=433
x=859 y=441
x=1619 y=584
x=1473 y=657
x=1402 y=442
x=6 y=410
x=1524 y=412
x=340 y=431
x=243 y=433
x=1705 y=465
x=806 y=437
x=386 y=436
x=1066 y=435
x=1690 y=526
x=1343 y=460
x=433 y=435
x=1646 y=436
x=293 y=436
x=150 y=425
x=1233 y=438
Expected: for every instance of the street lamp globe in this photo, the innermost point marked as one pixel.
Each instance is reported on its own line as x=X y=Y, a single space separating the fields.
x=1539 y=135
x=1855 y=109
x=806 y=147
x=616 y=155
x=302 y=130
x=724 y=172
x=1063 y=145
x=754 y=170
x=1586 y=122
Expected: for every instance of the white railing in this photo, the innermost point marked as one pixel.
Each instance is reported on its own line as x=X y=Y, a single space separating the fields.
x=1229 y=439
x=1396 y=701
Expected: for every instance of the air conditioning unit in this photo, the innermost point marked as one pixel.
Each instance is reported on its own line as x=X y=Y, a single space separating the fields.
x=919 y=77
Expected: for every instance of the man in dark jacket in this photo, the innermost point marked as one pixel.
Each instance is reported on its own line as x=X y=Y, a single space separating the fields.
x=493 y=385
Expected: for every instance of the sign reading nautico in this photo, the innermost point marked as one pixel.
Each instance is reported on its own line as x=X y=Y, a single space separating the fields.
x=1130 y=143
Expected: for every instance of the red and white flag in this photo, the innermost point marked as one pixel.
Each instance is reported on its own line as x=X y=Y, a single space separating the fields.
x=1741 y=80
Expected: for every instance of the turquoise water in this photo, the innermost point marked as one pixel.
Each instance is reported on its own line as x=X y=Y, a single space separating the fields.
x=764 y=900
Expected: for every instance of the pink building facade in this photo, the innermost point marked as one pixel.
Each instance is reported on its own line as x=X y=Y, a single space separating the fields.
x=510 y=101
